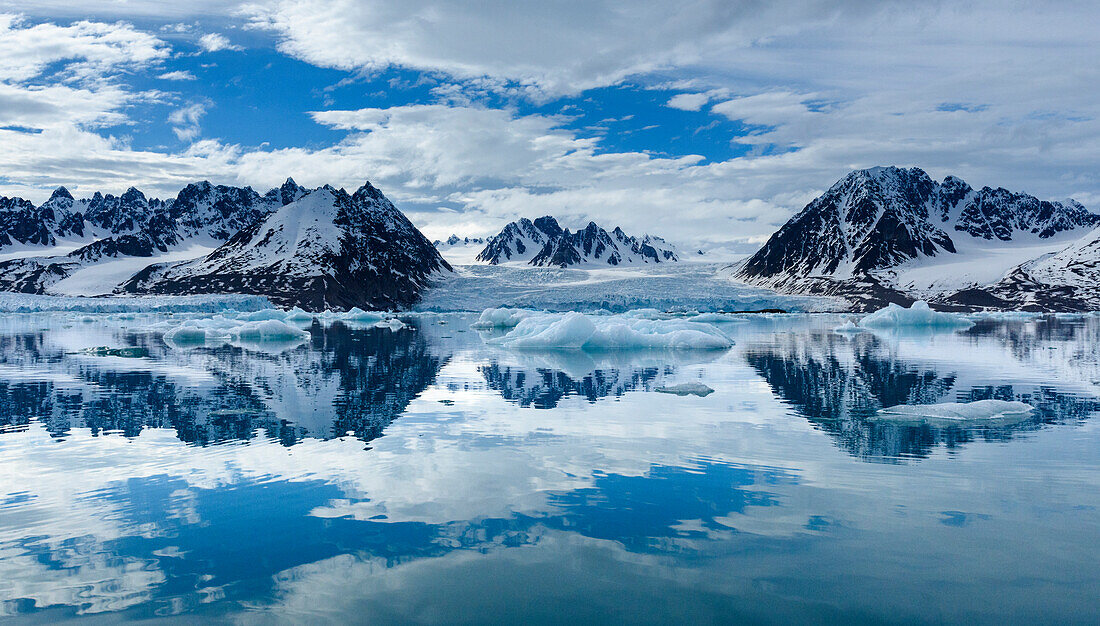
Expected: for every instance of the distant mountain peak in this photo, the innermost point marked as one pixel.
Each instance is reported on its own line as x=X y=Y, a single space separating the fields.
x=544 y=242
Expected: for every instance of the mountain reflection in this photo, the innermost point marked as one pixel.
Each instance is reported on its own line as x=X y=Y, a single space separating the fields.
x=347 y=381
x=839 y=383
x=542 y=379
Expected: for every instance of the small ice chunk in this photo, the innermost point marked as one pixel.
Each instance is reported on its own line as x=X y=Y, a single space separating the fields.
x=586 y=332
x=393 y=324
x=717 y=318
x=219 y=329
x=686 y=389
x=263 y=314
x=268 y=330
x=894 y=316
x=849 y=328
x=298 y=315
x=980 y=410
x=645 y=314
x=359 y=315
x=502 y=318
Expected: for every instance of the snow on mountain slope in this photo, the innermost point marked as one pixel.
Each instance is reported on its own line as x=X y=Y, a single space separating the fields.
x=520 y=241
x=41 y=247
x=543 y=242
x=891 y=234
x=327 y=249
x=883 y=217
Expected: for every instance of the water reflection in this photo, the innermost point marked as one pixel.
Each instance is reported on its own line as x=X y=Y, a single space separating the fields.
x=840 y=382
x=222 y=483
x=346 y=381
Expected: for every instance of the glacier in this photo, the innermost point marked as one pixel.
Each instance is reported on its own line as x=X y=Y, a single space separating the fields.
x=683 y=287
x=33 y=303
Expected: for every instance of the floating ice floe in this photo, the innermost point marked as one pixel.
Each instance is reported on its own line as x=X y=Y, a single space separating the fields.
x=392 y=323
x=585 y=332
x=1004 y=316
x=502 y=318
x=717 y=318
x=219 y=329
x=849 y=328
x=959 y=412
x=918 y=315
x=686 y=389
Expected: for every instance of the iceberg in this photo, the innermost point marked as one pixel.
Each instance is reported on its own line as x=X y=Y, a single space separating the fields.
x=918 y=315
x=959 y=412
x=849 y=328
x=576 y=331
x=220 y=329
x=393 y=324
x=686 y=389
x=501 y=318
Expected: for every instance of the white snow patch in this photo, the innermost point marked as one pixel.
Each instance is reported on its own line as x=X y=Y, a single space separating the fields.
x=105 y=276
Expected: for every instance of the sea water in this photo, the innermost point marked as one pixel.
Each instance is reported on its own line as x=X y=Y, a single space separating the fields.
x=427 y=472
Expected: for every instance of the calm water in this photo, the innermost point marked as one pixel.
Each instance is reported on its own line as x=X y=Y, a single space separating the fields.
x=422 y=476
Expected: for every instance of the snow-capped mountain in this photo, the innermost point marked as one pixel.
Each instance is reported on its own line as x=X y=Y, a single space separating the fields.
x=326 y=249
x=455 y=240
x=888 y=233
x=544 y=242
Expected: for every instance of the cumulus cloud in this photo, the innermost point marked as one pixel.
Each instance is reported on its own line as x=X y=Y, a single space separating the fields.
x=212 y=42
x=177 y=75
x=1000 y=94
x=87 y=49
x=185 y=121
x=556 y=48
x=688 y=101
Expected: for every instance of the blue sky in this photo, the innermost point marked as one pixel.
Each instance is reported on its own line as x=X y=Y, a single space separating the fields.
x=709 y=122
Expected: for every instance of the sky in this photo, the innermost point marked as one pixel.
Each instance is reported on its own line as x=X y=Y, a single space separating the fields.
x=706 y=122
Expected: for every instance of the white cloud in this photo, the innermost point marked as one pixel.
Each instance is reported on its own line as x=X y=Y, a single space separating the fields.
x=688 y=101
x=213 y=42
x=998 y=94
x=88 y=49
x=185 y=121
x=177 y=75
x=553 y=47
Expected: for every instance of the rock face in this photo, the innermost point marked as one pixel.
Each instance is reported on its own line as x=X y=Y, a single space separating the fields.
x=325 y=249
x=869 y=236
x=544 y=242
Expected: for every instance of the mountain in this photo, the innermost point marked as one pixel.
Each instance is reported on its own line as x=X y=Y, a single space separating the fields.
x=544 y=242
x=893 y=234
x=455 y=240
x=325 y=249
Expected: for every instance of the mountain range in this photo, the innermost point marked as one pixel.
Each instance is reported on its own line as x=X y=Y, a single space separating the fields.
x=543 y=242
x=889 y=234
x=319 y=248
